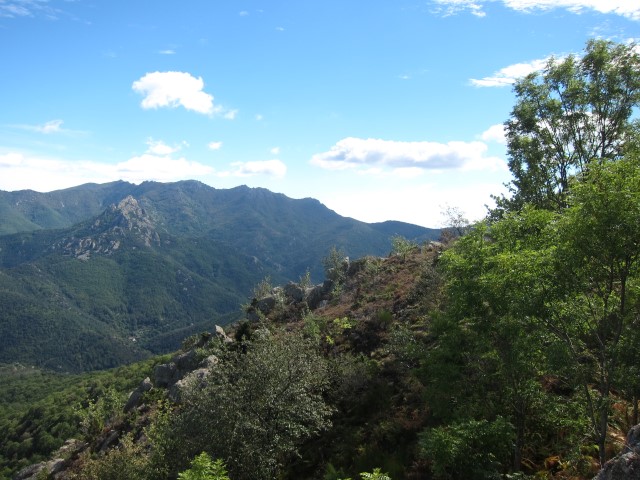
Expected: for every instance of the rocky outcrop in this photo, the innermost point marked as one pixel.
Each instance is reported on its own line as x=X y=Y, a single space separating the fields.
x=136 y=396
x=185 y=368
x=105 y=235
x=625 y=466
x=292 y=294
x=55 y=467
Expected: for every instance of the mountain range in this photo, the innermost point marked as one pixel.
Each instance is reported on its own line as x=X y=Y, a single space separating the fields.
x=99 y=275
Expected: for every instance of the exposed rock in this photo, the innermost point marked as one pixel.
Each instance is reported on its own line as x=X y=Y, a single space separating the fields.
x=165 y=374
x=109 y=440
x=266 y=304
x=195 y=378
x=220 y=334
x=31 y=472
x=317 y=294
x=186 y=361
x=136 y=395
x=294 y=292
x=54 y=467
x=209 y=362
x=625 y=466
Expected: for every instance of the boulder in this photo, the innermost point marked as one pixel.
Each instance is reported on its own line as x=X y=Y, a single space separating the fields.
x=625 y=466
x=266 y=304
x=196 y=378
x=319 y=293
x=136 y=395
x=221 y=335
x=186 y=362
x=294 y=292
x=165 y=374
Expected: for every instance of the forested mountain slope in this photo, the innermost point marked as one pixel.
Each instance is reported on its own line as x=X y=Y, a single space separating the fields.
x=161 y=262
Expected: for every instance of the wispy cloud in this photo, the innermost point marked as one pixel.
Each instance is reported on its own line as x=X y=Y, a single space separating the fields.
x=625 y=8
x=168 y=51
x=26 y=8
x=50 y=127
x=214 y=145
x=405 y=158
x=508 y=75
x=271 y=168
x=174 y=89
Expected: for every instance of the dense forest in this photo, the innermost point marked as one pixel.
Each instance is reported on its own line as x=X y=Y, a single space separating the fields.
x=507 y=350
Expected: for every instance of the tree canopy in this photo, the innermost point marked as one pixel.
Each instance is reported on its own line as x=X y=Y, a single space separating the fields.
x=576 y=112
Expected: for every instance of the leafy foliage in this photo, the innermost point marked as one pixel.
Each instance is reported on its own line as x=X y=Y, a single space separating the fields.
x=573 y=114
x=203 y=468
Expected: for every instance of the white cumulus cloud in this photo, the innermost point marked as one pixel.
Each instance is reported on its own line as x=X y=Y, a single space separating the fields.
x=405 y=158
x=158 y=147
x=173 y=89
x=495 y=133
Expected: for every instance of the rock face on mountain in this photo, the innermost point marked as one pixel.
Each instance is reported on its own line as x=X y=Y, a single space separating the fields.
x=625 y=466
x=126 y=220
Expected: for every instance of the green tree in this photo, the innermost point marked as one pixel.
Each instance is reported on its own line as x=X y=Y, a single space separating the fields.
x=495 y=278
x=259 y=404
x=597 y=271
x=476 y=449
x=574 y=113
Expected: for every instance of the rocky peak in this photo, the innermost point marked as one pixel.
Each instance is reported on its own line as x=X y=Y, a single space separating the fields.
x=126 y=220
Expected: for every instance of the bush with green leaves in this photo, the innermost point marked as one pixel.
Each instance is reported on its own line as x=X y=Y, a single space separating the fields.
x=477 y=449
x=260 y=403
x=127 y=461
x=204 y=468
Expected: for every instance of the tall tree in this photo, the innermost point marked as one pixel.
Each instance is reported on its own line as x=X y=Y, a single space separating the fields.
x=575 y=112
x=597 y=262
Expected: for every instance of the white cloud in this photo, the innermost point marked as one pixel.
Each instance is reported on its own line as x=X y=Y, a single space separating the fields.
x=495 y=133
x=508 y=75
x=275 y=151
x=19 y=171
x=625 y=8
x=412 y=202
x=11 y=159
x=272 y=168
x=230 y=114
x=363 y=154
x=243 y=13
x=259 y=117
x=26 y=8
x=168 y=51
x=159 y=168
x=158 y=147
x=173 y=89
x=52 y=126
x=214 y=145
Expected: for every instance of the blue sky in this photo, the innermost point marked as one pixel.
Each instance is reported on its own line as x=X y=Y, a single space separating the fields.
x=380 y=109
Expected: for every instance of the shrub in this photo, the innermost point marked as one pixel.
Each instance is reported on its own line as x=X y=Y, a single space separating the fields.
x=477 y=449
